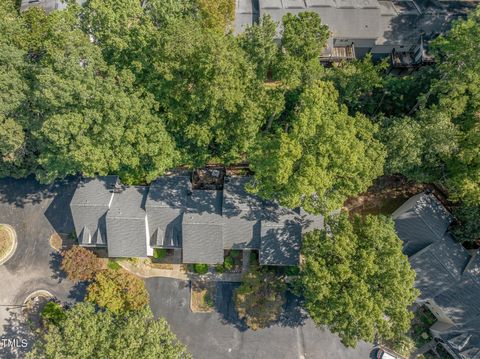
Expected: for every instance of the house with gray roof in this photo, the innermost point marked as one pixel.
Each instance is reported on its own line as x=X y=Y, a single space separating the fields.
x=201 y=224
x=89 y=207
x=127 y=224
x=396 y=28
x=448 y=276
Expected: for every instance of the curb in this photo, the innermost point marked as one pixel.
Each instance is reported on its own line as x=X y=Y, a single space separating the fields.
x=14 y=246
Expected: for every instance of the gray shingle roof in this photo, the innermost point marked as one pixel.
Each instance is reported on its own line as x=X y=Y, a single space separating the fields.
x=420 y=221
x=89 y=207
x=166 y=203
x=242 y=213
x=126 y=224
x=280 y=243
x=446 y=273
x=203 y=228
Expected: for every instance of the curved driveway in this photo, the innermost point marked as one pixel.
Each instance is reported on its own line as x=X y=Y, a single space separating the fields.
x=33 y=211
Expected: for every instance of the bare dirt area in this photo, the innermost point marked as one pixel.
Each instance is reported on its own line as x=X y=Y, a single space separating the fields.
x=202 y=296
x=387 y=194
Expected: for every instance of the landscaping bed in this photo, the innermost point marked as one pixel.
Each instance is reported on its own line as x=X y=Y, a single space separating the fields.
x=202 y=296
x=421 y=323
x=7 y=241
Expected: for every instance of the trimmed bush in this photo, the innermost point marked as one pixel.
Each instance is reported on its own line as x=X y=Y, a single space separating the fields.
x=228 y=263
x=159 y=253
x=200 y=268
x=52 y=313
x=235 y=253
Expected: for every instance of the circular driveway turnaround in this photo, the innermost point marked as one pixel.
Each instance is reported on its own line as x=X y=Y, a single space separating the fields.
x=221 y=335
x=35 y=212
x=13 y=235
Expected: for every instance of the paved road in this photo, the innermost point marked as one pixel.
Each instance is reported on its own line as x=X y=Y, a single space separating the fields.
x=33 y=211
x=222 y=335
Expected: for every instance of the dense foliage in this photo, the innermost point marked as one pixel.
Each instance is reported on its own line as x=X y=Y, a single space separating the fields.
x=135 y=88
x=356 y=280
x=80 y=264
x=260 y=299
x=85 y=332
x=118 y=291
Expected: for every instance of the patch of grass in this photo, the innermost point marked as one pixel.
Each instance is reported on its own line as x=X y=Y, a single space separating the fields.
x=113 y=265
x=6 y=241
x=200 y=268
x=159 y=253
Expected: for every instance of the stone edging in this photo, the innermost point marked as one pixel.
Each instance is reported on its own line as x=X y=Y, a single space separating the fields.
x=13 y=233
x=40 y=292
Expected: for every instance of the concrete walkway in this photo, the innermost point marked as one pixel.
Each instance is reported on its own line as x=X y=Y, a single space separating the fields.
x=178 y=272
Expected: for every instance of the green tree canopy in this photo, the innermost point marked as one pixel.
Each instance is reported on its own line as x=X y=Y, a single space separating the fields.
x=85 y=333
x=260 y=298
x=356 y=280
x=118 y=291
x=320 y=156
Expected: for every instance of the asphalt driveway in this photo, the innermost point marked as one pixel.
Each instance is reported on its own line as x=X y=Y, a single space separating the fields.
x=34 y=211
x=222 y=335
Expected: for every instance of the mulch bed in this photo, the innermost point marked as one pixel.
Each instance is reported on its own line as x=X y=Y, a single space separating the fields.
x=202 y=296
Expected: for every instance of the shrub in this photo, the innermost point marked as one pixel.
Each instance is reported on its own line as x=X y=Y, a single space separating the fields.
x=228 y=263
x=118 y=291
x=219 y=268
x=113 y=265
x=80 y=264
x=235 y=253
x=292 y=270
x=253 y=258
x=52 y=313
x=200 y=268
x=159 y=253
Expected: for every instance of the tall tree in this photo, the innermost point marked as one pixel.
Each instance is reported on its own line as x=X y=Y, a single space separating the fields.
x=320 y=156
x=303 y=40
x=356 y=279
x=208 y=91
x=86 y=333
x=90 y=118
x=15 y=150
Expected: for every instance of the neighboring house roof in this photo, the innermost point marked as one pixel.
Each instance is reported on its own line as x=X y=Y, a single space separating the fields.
x=126 y=223
x=47 y=5
x=166 y=203
x=89 y=207
x=202 y=228
x=420 y=221
x=242 y=213
x=370 y=25
x=447 y=273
